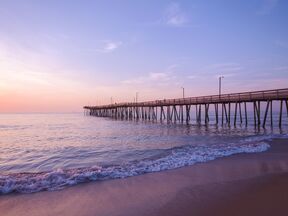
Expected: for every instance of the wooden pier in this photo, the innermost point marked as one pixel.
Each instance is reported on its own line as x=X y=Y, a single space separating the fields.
x=228 y=109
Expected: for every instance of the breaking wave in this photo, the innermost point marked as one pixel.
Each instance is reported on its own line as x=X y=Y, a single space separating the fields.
x=167 y=159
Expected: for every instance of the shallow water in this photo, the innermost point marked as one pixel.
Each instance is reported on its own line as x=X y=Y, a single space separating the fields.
x=50 y=151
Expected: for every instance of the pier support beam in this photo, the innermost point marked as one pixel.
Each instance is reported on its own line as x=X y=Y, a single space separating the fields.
x=266 y=112
x=206 y=113
x=178 y=110
x=216 y=113
x=280 y=114
x=235 y=114
x=188 y=107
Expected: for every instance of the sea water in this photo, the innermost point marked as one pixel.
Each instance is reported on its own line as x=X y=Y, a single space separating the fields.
x=51 y=151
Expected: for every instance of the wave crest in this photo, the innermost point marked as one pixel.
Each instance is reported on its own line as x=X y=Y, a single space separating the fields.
x=169 y=159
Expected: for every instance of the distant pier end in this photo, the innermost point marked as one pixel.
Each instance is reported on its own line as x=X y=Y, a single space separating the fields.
x=228 y=108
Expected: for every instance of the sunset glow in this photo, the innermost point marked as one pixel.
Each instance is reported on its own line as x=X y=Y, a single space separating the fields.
x=59 y=57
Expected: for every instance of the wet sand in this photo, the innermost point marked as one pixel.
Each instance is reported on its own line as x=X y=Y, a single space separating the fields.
x=244 y=184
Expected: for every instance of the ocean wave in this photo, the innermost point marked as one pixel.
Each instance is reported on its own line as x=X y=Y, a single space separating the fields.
x=169 y=159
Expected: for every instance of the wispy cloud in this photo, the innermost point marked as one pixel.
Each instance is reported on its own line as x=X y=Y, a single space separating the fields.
x=107 y=46
x=175 y=16
x=159 y=77
x=225 y=75
x=228 y=69
x=173 y=67
x=282 y=44
x=25 y=69
x=267 y=6
x=281 y=68
x=191 y=77
x=225 y=67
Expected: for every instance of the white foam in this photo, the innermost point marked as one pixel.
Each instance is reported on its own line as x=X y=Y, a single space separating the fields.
x=173 y=158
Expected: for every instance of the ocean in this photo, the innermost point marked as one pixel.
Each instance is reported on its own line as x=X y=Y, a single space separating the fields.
x=51 y=151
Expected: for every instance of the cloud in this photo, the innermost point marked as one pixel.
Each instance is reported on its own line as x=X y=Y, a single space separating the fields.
x=225 y=75
x=212 y=71
x=191 y=77
x=23 y=69
x=175 y=16
x=173 y=67
x=138 y=80
x=282 y=68
x=267 y=6
x=282 y=44
x=225 y=67
x=108 y=46
x=160 y=78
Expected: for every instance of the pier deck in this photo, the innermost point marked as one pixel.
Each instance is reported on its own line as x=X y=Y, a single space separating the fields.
x=173 y=110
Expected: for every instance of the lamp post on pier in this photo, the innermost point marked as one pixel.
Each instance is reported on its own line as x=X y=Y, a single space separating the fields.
x=220 y=79
x=183 y=91
x=137 y=97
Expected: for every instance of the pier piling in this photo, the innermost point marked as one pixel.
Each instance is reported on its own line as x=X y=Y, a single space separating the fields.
x=179 y=110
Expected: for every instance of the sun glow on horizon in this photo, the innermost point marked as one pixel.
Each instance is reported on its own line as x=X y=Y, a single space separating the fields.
x=61 y=56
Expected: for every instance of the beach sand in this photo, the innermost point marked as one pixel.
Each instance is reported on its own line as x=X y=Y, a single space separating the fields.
x=244 y=184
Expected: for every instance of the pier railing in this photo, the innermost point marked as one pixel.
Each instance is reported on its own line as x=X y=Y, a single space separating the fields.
x=179 y=109
x=266 y=95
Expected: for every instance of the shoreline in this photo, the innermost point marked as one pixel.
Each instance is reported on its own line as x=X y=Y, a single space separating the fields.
x=201 y=189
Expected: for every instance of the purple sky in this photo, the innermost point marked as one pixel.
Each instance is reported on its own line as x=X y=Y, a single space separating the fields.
x=60 y=55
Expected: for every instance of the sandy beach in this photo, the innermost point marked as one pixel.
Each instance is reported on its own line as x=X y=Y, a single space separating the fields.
x=244 y=184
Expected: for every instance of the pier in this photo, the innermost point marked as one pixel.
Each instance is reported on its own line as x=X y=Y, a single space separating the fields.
x=228 y=109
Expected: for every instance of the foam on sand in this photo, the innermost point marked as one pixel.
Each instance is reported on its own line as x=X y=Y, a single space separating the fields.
x=168 y=159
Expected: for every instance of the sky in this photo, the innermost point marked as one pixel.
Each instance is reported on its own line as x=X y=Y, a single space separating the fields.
x=59 y=55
